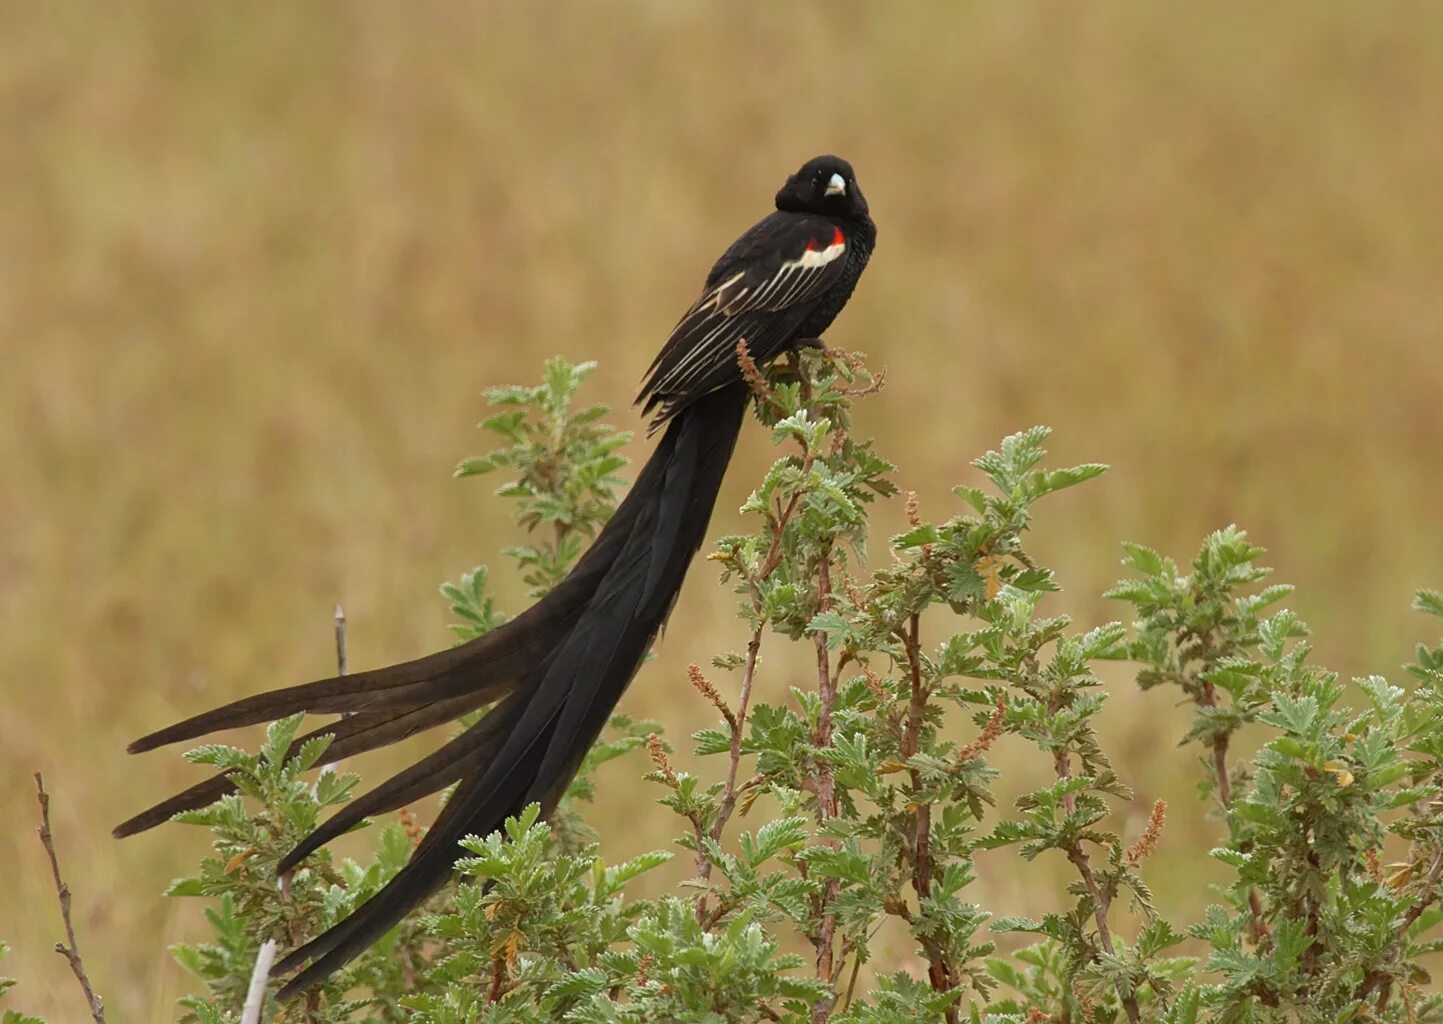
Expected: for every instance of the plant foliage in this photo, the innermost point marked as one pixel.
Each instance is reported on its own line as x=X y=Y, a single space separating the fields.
x=856 y=806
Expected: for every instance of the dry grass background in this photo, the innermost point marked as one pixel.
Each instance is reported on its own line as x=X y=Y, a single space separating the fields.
x=257 y=261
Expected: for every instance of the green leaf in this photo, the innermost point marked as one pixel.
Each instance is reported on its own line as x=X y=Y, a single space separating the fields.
x=973 y=496
x=1429 y=602
x=279 y=735
x=1143 y=559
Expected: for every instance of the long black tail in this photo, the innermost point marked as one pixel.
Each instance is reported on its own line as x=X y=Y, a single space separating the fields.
x=557 y=670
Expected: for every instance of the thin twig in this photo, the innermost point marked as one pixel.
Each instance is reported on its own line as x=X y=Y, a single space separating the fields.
x=1101 y=898
x=68 y=949
x=852 y=982
x=1207 y=696
x=341 y=662
x=260 y=977
x=297 y=927
x=498 y=980
x=342 y=668
x=1376 y=979
x=266 y=955
x=826 y=789
x=897 y=908
x=939 y=972
x=737 y=723
x=738 y=726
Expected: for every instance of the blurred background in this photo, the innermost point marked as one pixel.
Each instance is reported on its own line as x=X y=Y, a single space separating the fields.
x=258 y=261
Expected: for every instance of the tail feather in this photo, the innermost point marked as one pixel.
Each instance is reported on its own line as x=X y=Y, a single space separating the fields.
x=428 y=775
x=470 y=669
x=483 y=668
x=493 y=794
x=351 y=736
x=428 y=868
x=633 y=601
x=559 y=670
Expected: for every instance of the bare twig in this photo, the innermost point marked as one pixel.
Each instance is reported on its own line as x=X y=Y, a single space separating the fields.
x=341 y=663
x=342 y=667
x=68 y=949
x=852 y=982
x=260 y=977
x=266 y=955
x=738 y=725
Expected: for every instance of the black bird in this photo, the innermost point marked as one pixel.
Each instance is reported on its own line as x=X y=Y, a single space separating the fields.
x=556 y=671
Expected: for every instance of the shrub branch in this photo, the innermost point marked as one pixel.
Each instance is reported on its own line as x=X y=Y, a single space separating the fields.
x=70 y=949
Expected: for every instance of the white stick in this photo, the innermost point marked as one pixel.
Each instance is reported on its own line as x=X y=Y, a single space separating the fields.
x=260 y=975
x=342 y=667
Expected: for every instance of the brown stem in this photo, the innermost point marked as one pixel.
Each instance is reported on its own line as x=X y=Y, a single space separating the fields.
x=703 y=866
x=738 y=726
x=69 y=948
x=774 y=551
x=729 y=793
x=826 y=789
x=1220 y=769
x=939 y=972
x=930 y=945
x=1261 y=934
x=917 y=702
x=852 y=982
x=1101 y=897
x=731 y=790
x=297 y=927
x=498 y=979
x=1207 y=696
x=1374 y=980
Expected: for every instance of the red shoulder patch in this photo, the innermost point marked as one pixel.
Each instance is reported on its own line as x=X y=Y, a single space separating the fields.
x=837 y=239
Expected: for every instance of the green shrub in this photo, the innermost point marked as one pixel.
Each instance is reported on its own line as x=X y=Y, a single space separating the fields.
x=870 y=788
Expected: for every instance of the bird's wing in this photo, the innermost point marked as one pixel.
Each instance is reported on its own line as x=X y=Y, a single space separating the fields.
x=760 y=291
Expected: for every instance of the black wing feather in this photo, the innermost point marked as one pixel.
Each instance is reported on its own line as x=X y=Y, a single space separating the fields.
x=760 y=291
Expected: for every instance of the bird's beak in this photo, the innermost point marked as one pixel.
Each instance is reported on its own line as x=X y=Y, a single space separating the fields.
x=836 y=186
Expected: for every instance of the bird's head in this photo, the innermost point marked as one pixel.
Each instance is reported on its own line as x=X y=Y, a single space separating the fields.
x=825 y=185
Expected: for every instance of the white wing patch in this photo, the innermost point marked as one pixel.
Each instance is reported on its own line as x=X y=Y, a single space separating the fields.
x=821 y=257
x=786 y=285
x=714 y=324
